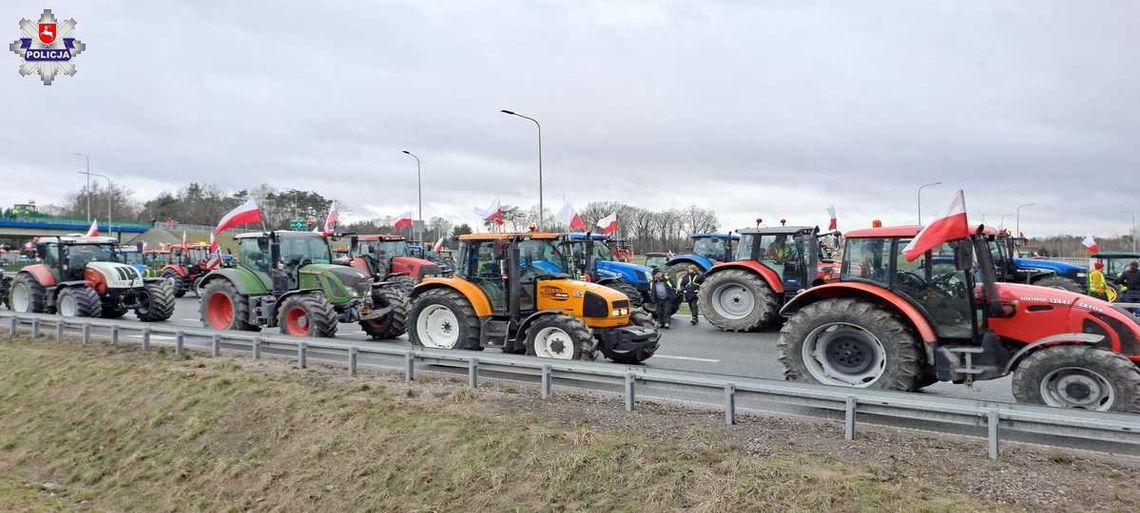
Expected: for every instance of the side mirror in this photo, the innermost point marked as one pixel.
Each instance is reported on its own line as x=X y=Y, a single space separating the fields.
x=963 y=256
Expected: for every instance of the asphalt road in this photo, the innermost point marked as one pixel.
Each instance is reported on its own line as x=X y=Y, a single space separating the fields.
x=700 y=348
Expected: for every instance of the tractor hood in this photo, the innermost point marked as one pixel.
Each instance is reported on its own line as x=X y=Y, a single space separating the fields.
x=631 y=273
x=1061 y=268
x=1041 y=312
x=116 y=275
x=348 y=277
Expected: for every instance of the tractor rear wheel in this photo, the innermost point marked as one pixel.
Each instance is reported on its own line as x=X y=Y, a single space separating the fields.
x=561 y=337
x=1078 y=376
x=307 y=315
x=401 y=283
x=79 y=301
x=443 y=319
x=1060 y=282
x=27 y=295
x=629 y=290
x=852 y=343
x=737 y=300
x=223 y=308
x=157 y=303
x=176 y=281
x=392 y=325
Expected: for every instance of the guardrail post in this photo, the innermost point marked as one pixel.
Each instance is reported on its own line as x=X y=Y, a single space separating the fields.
x=12 y=327
x=114 y=335
x=473 y=373
x=849 y=419
x=992 y=421
x=257 y=348
x=146 y=339
x=729 y=404
x=547 y=380
x=216 y=346
x=352 y=352
x=409 y=367
x=86 y=333
x=35 y=328
x=59 y=330
x=179 y=339
x=301 y=354
x=630 y=399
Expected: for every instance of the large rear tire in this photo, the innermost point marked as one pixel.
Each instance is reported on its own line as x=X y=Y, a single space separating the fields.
x=401 y=283
x=158 y=303
x=175 y=281
x=560 y=337
x=27 y=295
x=629 y=290
x=1078 y=376
x=443 y=319
x=79 y=301
x=307 y=315
x=223 y=308
x=737 y=300
x=392 y=325
x=1060 y=282
x=853 y=343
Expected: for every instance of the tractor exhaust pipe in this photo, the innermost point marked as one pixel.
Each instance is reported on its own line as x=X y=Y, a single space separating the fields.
x=989 y=277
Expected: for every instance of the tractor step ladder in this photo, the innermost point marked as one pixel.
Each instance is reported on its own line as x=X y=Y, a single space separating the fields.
x=964 y=363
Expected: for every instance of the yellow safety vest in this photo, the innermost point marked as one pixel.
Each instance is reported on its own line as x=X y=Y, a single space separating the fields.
x=1096 y=281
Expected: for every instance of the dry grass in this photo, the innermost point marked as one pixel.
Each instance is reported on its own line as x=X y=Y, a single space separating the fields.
x=113 y=431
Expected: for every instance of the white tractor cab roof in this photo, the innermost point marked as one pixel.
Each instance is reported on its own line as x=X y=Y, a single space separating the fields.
x=79 y=239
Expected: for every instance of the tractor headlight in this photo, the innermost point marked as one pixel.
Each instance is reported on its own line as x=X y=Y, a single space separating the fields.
x=621 y=312
x=1081 y=275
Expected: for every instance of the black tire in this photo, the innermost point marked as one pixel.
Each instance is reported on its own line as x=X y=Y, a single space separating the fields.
x=1060 y=282
x=5 y=288
x=36 y=294
x=1042 y=368
x=642 y=318
x=86 y=301
x=176 y=281
x=763 y=309
x=466 y=322
x=317 y=317
x=903 y=363
x=629 y=290
x=158 y=303
x=113 y=310
x=560 y=330
x=401 y=283
x=392 y=325
x=238 y=309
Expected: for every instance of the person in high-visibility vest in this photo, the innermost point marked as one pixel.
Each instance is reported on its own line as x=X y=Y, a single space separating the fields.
x=1097 y=284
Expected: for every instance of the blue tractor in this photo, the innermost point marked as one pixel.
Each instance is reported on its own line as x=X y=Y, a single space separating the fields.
x=1047 y=273
x=593 y=256
x=708 y=249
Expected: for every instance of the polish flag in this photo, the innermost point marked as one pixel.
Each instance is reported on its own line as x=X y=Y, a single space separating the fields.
x=608 y=224
x=1090 y=244
x=834 y=223
x=951 y=226
x=438 y=245
x=403 y=221
x=93 y=231
x=213 y=244
x=571 y=218
x=185 y=244
x=330 y=220
x=246 y=213
x=493 y=213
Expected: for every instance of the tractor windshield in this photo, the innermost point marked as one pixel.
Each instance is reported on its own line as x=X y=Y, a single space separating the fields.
x=296 y=248
x=78 y=255
x=541 y=258
x=709 y=247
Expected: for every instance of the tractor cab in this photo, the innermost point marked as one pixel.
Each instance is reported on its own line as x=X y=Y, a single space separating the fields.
x=714 y=246
x=591 y=258
x=279 y=258
x=196 y=254
x=1012 y=268
x=486 y=261
x=1115 y=262
x=792 y=252
x=387 y=257
x=67 y=257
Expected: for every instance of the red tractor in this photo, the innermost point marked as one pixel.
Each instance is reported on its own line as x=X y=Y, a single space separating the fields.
x=187 y=266
x=893 y=324
x=771 y=264
x=387 y=258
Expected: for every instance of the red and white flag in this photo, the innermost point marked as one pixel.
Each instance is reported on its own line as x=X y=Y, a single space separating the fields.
x=403 y=221
x=833 y=224
x=213 y=244
x=185 y=243
x=330 y=220
x=246 y=213
x=572 y=219
x=93 y=231
x=951 y=226
x=608 y=224
x=493 y=213
x=438 y=245
x=1090 y=244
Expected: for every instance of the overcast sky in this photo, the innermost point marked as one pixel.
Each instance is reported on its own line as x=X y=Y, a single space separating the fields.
x=754 y=109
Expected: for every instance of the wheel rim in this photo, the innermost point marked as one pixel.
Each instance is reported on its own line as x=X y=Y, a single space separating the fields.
x=1075 y=387
x=219 y=311
x=21 y=298
x=733 y=301
x=552 y=342
x=437 y=327
x=844 y=354
x=297 y=321
x=67 y=305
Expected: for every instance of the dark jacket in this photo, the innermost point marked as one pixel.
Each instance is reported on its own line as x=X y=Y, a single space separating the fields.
x=689 y=285
x=670 y=292
x=1130 y=279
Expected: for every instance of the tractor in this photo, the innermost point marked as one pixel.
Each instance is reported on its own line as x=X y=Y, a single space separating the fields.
x=592 y=260
x=132 y=255
x=771 y=264
x=85 y=277
x=708 y=249
x=187 y=265
x=386 y=258
x=287 y=280
x=894 y=324
x=656 y=260
x=1115 y=262
x=155 y=260
x=509 y=292
x=1046 y=273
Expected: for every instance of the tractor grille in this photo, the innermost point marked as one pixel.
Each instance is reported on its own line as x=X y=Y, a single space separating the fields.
x=594 y=305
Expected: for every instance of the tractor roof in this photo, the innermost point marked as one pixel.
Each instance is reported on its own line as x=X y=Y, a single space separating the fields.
x=1116 y=254
x=192 y=245
x=79 y=239
x=714 y=236
x=508 y=236
x=381 y=236
x=582 y=236
x=258 y=235
x=886 y=231
x=775 y=230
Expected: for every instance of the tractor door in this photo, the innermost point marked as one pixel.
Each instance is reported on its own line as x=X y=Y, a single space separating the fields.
x=483 y=263
x=934 y=283
x=254 y=256
x=51 y=259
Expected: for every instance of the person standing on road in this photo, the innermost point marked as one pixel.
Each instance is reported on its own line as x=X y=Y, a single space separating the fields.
x=663 y=296
x=690 y=285
x=1130 y=278
x=1097 y=285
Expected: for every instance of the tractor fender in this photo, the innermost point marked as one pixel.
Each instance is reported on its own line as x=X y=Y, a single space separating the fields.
x=41 y=273
x=1063 y=339
x=472 y=292
x=868 y=292
x=773 y=280
x=287 y=295
x=178 y=269
x=534 y=316
x=700 y=261
x=244 y=281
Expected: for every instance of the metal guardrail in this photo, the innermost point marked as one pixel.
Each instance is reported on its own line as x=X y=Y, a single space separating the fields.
x=1056 y=425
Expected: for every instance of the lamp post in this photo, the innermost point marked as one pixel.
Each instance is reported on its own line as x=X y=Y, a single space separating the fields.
x=1017 y=225
x=87 y=158
x=1133 y=232
x=109 y=195
x=505 y=111
x=920 y=188
x=419 y=191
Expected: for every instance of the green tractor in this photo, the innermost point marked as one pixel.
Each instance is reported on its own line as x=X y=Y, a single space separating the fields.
x=288 y=280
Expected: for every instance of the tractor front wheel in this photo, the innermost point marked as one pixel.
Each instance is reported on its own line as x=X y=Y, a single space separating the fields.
x=1078 y=376
x=561 y=337
x=27 y=295
x=307 y=315
x=175 y=281
x=443 y=319
x=157 y=303
x=1059 y=282
x=79 y=301
x=737 y=300
x=392 y=325
x=223 y=308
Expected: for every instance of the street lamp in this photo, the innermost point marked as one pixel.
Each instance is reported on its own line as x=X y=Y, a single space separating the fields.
x=1133 y=232
x=920 y=188
x=1017 y=226
x=505 y=111
x=109 y=195
x=87 y=158
x=419 y=191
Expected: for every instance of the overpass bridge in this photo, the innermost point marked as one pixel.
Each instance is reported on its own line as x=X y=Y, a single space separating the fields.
x=48 y=226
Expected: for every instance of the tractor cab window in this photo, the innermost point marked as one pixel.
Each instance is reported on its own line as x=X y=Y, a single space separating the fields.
x=254 y=254
x=540 y=258
x=51 y=255
x=394 y=248
x=483 y=264
x=602 y=251
x=743 y=250
x=301 y=248
x=867 y=260
x=934 y=283
x=710 y=247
